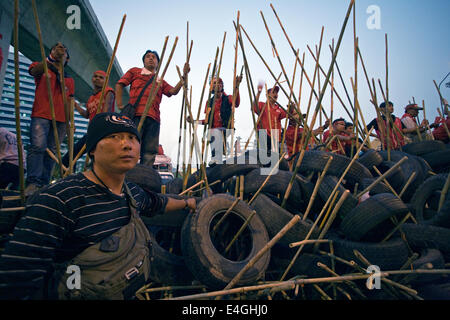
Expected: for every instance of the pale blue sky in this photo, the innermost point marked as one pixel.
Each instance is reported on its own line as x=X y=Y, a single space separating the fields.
x=419 y=50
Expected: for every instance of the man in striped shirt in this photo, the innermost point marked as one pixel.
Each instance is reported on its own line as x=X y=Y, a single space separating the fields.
x=67 y=217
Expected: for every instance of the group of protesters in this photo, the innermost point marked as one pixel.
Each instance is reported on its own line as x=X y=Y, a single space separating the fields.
x=340 y=138
x=67 y=218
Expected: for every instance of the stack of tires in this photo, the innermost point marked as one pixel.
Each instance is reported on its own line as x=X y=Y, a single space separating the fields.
x=401 y=215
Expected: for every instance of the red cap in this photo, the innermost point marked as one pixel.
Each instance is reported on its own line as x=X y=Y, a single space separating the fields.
x=101 y=72
x=276 y=88
x=413 y=106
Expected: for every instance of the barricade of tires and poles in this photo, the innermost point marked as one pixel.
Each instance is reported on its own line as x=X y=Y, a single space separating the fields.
x=375 y=225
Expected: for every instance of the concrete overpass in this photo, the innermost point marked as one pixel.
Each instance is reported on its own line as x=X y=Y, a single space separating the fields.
x=88 y=46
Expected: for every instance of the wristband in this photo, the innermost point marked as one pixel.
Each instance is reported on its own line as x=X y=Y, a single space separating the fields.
x=186 y=205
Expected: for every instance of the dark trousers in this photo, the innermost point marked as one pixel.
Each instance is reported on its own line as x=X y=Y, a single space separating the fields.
x=149 y=140
x=9 y=173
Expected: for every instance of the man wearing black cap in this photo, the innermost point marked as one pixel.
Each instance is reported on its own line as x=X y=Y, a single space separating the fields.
x=409 y=119
x=82 y=212
x=138 y=78
x=39 y=163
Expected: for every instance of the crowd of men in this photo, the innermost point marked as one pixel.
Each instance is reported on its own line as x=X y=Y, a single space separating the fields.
x=87 y=212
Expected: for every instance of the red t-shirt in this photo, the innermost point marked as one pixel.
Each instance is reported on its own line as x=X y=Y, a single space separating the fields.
x=138 y=81
x=276 y=114
x=41 y=104
x=93 y=101
x=290 y=138
x=440 y=133
x=217 y=120
x=336 y=144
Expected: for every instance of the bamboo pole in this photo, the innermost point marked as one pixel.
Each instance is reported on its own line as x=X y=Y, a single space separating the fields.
x=235 y=202
x=244 y=225
x=230 y=123
x=17 y=102
x=291 y=284
x=182 y=112
x=49 y=90
x=191 y=188
x=251 y=90
x=50 y=153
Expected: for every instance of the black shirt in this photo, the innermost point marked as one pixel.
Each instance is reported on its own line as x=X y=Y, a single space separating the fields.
x=60 y=222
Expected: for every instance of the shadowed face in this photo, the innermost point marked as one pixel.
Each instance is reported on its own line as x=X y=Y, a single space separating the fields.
x=98 y=80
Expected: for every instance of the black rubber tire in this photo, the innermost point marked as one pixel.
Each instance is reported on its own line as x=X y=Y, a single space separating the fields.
x=424 y=195
x=422 y=236
x=307 y=188
x=396 y=178
x=305 y=264
x=205 y=262
x=225 y=171
x=277 y=184
x=388 y=255
x=380 y=187
x=439 y=161
x=428 y=259
x=166 y=267
x=275 y=218
x=410 y=166
x=174 y=186
x=370 y=220
x=440 y=291
x=442 y=218
x=146 y=177
x=423 y=147
x=370 y=158
x=325 y=189
x=316 y=161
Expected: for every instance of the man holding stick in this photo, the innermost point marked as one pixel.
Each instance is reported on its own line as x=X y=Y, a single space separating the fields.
x=342 y=137
x=39 y=163
x=439 y=125
x=294 y=132
x=91 y=220
x=396 y=127
x=220 y=112
x=270 y=115
x=409 y=119
x=98 y=80
x=141 y=79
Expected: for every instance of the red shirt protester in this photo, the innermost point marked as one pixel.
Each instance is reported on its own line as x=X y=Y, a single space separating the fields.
x=94 y=100
x=217 y=120
x=41 y=104
x=440 y=133
x=270 y=118
x=137 y=78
